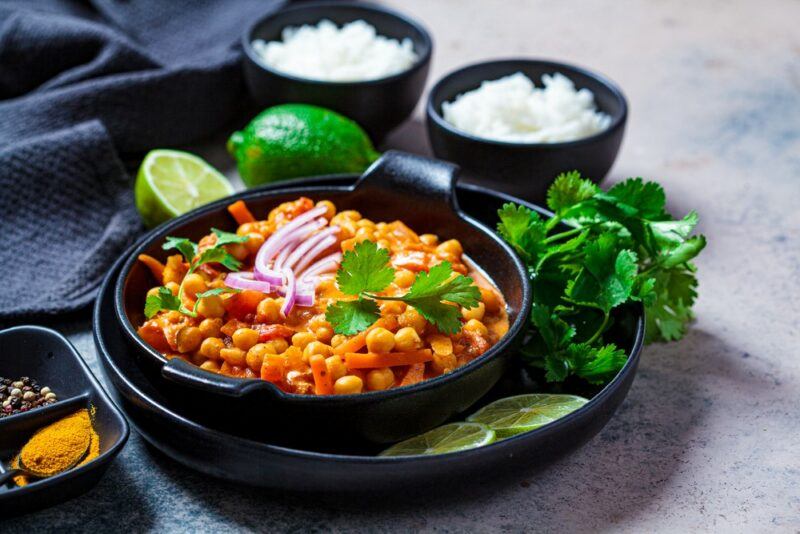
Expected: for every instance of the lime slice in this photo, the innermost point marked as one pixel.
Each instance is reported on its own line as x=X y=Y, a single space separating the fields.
x=522 y=413
x=448 y=438
x=171 y=182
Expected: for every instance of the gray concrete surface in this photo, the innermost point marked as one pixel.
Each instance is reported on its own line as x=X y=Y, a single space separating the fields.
x=709 y=437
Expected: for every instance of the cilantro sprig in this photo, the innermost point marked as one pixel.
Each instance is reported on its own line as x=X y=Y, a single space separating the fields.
x=165 y=300
x=365 y=272
x=601 y=250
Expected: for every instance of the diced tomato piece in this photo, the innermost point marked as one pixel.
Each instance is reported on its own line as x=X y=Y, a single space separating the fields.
x=268 y=332
x=244 y=304
x=153 y=334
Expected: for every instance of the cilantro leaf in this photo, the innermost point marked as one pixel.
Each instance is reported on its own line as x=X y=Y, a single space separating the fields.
x=523 y=229
x=187 y=248
x=635 y=197
x=364 y=269
x=554 y=331
x=596 y=365
x=163 y=300
x=669 y=309
x=607 y=277
x=683 y=252
x=211 y=292
x=226 y=238
x=217 y=255
x=568 y=190
x=350 y=317
x=668 y=234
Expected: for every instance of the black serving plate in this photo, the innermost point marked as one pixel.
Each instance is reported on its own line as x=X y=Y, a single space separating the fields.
x=48 y=357
x=188 y=434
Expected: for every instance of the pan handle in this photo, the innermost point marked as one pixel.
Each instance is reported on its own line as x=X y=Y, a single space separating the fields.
x=426 y=183
x=183 y=373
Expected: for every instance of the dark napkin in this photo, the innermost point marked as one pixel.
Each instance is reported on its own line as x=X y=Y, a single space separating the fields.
x=84 y=86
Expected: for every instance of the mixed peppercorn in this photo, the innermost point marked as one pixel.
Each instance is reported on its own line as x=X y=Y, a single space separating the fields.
x=22 y=395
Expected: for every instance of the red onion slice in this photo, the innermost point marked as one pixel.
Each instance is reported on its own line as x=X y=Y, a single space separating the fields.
x=276 y=241
x=326 y=264
x=291 y=292
x=287 y=243
x=318 y=249
x=246 y=280
x=302 y=254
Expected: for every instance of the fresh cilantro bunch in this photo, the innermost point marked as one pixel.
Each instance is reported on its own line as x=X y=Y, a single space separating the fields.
x=165 y=300
x=365 y=271
x=600 y=250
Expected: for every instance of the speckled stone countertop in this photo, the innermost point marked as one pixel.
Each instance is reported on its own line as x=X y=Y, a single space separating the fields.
x=709 y=437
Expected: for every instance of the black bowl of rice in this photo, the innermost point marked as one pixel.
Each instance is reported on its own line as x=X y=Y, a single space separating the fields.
x=513 y=125
x=367 y=62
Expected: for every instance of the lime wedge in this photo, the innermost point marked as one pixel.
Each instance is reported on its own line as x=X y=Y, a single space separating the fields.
x=448 y=438
x=522 y=413
x=171 y=182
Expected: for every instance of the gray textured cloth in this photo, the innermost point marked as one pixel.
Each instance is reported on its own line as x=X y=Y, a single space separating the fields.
x=82 y=85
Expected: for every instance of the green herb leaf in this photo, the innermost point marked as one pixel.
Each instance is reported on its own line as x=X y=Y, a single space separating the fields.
x=226 y=238
x=364 y=269
x=187 y=248
x=164 y=300
x=608 y=276
x=635 y=197
x=568 y=190
x=211 y=292
x=523 y=229
x=350 y=317
x=669 y=310
x=217 y=255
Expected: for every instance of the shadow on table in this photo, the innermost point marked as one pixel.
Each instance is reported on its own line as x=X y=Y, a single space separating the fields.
x=614 y=476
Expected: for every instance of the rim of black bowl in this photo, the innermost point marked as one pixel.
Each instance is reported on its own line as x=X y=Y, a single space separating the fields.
x=612 y=385
x=247 y=43
x=160 y=232
x=616 y=121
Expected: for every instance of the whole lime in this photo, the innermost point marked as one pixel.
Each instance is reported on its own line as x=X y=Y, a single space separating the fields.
x=294 y=140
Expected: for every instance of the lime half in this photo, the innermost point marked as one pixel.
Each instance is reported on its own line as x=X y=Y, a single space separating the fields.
x=171 y=182
x=522 y=413
x=448 y=438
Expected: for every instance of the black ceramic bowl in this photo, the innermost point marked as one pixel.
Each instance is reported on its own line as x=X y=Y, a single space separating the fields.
x=418 y=191
x=48 y=357
x=377 y=105
x=525 y=170
x=186 y=432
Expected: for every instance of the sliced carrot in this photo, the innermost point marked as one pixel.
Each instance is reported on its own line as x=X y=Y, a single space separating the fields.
x=359 y=341
x=273 y=367
x=416 y=373
x=155 y=266
x=240 y=212
x=323 y=385
x=373 y=360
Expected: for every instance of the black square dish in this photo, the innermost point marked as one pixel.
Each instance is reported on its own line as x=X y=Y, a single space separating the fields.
x=46 y=356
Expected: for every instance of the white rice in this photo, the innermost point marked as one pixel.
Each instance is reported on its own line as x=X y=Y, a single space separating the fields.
x=513 y=109
x=354 y=52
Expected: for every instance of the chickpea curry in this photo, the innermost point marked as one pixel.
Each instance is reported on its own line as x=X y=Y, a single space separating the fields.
x=321 y=302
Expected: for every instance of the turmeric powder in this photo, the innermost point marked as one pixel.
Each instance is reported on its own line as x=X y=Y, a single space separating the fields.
x=68 y=442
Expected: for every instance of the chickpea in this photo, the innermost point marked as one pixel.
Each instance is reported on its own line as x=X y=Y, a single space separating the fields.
x=301 y=339
x=450 y=247
x=365 y=223
x=412 y=318
x=210 y=348
x=329 y=206
x=174 y=270
x=234 y=356
x=365 y=234
x=348 y=385
x=189 y=339
x=337 y=340
x=351 y=215
x=268 y=311
x=336 y=367
x=324 y=334
x=237 y=250
x=198 y=359
x=247 y=228
x=254 y=242
x=383 y=243
x=380 y=340
x=210 y=365
x=210 y=327
x=474 y=325
x=317 y=347
x=211 y=306
x=294 y=357
x=153 y=292
x=474 y=313
x=193 y=284
x=244 y=338
x=347 y=230
x=490 y=299
x=379 y=379
x=404 y=278
x=429 y=239
x=443 y=363
x=280 y=345
x=392 y=307
x=173 y=286
x=257 y=353
x=407 y=339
